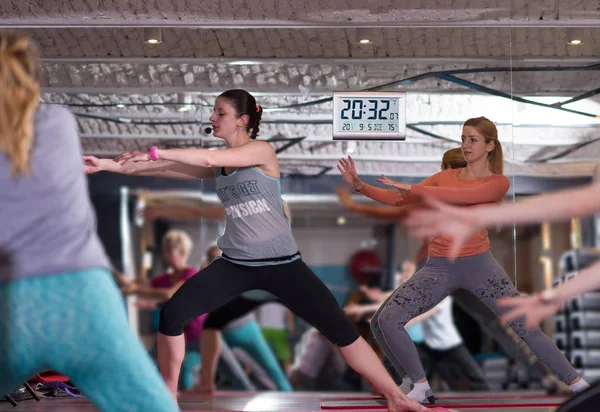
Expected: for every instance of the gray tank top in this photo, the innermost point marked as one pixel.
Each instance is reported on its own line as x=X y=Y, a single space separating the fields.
x=256 y=228
x=47 y=221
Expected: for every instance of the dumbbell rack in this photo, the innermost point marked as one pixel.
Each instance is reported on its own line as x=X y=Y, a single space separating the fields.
x=577 y=324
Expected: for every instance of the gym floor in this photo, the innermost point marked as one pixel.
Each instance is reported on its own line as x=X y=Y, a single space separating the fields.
x=314 y=401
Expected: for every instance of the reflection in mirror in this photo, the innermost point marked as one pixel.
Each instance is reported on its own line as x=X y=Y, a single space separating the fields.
x=467 y=106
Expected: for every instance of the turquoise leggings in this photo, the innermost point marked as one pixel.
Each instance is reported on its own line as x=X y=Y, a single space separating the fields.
x=75 y=323
x=247 y=337
x=250 y=338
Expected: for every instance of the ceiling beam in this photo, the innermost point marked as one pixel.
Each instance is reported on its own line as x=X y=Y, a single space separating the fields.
x=317 y=61
x=500 y=22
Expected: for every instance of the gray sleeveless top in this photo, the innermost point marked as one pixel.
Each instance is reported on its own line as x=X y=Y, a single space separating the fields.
x=48 y=223
x=256 y=228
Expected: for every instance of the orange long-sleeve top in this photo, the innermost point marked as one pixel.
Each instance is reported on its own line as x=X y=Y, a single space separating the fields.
x=384 y=212
x=448 y=187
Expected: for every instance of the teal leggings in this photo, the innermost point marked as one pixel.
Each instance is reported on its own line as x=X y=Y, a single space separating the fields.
x=247 y=337
x=75 y=323
x=250 y=338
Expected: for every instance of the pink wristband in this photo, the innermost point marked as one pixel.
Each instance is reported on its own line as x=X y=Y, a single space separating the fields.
x=153 y=151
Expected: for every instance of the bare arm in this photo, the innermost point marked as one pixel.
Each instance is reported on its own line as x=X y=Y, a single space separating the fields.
x=159 y=168
x=560 y=205
x=122 y=280
x=255 y=153
x=149 y=292
x=539 y=306
x=374 y=211
x=587 y=280
x=459 y=223
x=361 y=310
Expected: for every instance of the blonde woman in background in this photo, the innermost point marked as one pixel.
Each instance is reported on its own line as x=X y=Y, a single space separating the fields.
x=52 y=258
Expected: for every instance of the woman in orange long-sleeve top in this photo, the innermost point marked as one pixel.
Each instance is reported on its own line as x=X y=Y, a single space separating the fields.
x=442 y=341
x=475 y=270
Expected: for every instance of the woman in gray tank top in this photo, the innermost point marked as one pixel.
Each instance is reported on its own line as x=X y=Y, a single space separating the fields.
x=259 y=250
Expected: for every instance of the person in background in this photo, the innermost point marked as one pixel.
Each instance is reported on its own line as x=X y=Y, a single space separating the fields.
x=60 y=308
x=176 y=249
x=277 y=324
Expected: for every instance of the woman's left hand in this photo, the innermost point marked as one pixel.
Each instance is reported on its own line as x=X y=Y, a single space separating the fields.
x=132 y=156
x=353 y=309
x=533 y=308
x=403 y=187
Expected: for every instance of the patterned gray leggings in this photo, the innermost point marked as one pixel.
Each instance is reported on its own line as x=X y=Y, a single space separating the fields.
x=478 y=274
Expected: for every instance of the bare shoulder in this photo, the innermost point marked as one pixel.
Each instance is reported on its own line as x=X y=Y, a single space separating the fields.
x=262 y=145
x=269 y=164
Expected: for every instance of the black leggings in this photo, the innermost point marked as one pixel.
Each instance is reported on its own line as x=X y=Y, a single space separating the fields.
x=238 y=307
x=294 y=284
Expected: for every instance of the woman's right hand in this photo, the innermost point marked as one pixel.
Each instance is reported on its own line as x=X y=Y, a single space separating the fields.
x=348 y=171
x=91 y=165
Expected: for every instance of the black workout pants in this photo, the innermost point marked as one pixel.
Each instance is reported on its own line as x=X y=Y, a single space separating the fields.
x=235 y=309
x=294 y=284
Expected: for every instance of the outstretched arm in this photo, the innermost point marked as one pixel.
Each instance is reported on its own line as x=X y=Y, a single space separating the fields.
x=563 y=204
x=254 y=153
x=540 y=306
x=491 y=191
x=459 y=223
x=150 y=292
x=353 y=309
x=385 y=196
x=159 y=168
x=373 y=211
x=587 y=280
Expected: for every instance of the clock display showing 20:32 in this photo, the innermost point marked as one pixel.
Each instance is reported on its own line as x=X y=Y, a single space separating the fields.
x=377 y=115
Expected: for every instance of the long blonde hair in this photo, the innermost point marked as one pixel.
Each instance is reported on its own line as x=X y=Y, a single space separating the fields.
x=488 y=130
x=19 y=98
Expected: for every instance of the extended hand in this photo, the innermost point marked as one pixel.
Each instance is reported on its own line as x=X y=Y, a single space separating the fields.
x=91 y=165
x=348 y=171
x=456 y=223
x=404 y=187
x=132 y=156
x=532 y=308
